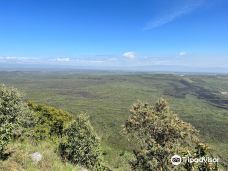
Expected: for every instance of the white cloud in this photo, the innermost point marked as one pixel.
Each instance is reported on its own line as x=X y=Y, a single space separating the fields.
x=11 y=58
x=129 y=55
x=183 y=53
x=19 y=60
x=86 y=61
x=6 y=58
x=63 y=59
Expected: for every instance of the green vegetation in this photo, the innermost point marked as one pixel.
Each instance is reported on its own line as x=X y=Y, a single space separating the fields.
x=81 y=144
x=160 y=135
x=202 y=150
x=6 y=136
x=20 y=158
x=50 y=122
x=77 y=142
x=14 y=116
x=198 y=99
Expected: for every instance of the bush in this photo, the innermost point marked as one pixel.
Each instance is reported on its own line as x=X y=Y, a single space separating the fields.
x=50 y=122
x=5 y=137
x=202 y=150
x=81 y=145
x=15 y=115
x=160 y=134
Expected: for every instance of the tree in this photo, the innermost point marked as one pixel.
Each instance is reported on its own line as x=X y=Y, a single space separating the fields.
x=81 y=145
x=160 y=134
x=15 y=115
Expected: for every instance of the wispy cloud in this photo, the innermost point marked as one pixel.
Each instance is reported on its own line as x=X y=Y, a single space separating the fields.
x=15 y=59
x=10 y=58
x=188 y=7
x=129 y=55
x=88 y=61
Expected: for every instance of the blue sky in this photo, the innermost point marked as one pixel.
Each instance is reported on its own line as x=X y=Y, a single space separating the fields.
x=114 y=33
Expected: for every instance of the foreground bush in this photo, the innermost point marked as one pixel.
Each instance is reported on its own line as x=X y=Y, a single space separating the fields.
x=50 y=121
x=202 y=150
x=15 y=116
x=81 y=145
x=5 y=137
x=160 y=134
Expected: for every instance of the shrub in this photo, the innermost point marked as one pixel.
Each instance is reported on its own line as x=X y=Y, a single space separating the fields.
x=5 y=137
x=81 y=145
x=50 y=121
x=15 y=115
x=160 y=134
x=202 y=151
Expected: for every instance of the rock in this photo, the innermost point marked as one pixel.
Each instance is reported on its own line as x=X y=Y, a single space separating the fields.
x=224 y=93
x=36 y=157
x=83 y=169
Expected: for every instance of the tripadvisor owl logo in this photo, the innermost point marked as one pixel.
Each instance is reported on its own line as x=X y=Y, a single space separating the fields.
x=176 y=160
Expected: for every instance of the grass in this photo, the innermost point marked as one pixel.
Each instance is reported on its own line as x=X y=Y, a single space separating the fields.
x=20 y=158
x=106 y=97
